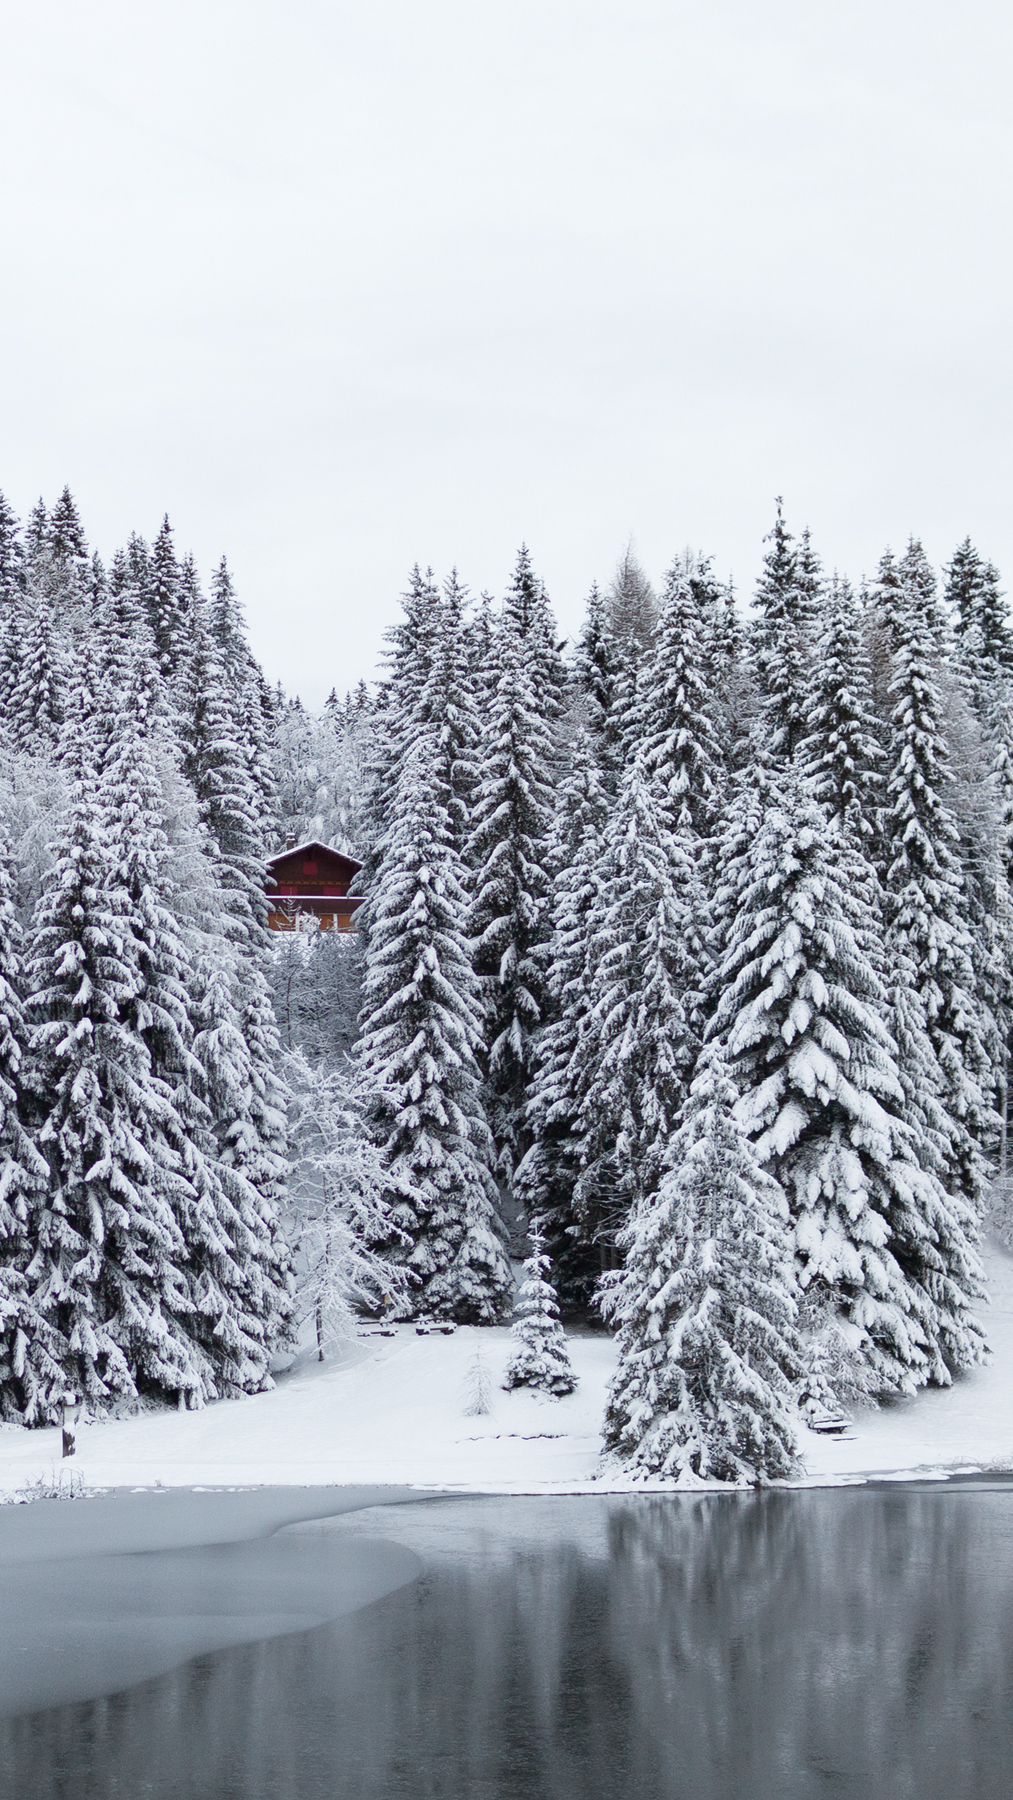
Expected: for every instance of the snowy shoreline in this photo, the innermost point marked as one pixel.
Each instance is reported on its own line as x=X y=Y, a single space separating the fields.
x=393 y=1411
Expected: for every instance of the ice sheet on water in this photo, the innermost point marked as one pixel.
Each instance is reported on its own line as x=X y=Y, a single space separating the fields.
x=99 y=1596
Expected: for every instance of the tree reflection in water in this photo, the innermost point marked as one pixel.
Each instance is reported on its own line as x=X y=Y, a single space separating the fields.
x=855 y=1643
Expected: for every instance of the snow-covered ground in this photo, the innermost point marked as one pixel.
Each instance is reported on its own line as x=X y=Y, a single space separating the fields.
x=396 y=1409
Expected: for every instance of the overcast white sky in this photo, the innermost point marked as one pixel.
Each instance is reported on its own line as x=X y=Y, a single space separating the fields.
x=345 y=286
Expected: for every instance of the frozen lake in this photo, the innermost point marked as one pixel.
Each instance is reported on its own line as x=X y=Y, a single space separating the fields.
x=853 y=1642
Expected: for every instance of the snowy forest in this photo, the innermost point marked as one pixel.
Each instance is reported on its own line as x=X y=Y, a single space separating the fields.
x=683 y=970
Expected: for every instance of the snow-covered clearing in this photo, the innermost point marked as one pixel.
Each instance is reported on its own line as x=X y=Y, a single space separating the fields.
x=395 y=1410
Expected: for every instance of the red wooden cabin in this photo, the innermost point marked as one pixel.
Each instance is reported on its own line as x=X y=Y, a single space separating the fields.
x=311 y=879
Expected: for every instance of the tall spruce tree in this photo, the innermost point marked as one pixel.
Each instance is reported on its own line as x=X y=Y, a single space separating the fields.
x=926 y=906
x=801 y=1011
x=24 y=1175
x=637 y=1046
x=548 y=1173
x=221 y=749
x=35 y=699
x=447 y=713
x=237 y=1300
x=705 y=1308
x=509 y=851
x=408 y=664
x=981 y=622
x=675 y=726
x=782 y=649
x=37 y=533
x=603 y=676
x=527 y=611
x=66 y=542
x=11 y=556
x=632 y=608
x=165 y=602
x=841 y=750
x=105 y=1271
x=421 y=1032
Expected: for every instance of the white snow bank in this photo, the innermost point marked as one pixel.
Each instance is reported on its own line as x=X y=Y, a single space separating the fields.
x=395 y=1410
x=968 y=1425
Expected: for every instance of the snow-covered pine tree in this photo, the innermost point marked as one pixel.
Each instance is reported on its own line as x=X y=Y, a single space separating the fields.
x=237 y=1302
x=399 y=715
x=918 y=583
x=11 y=585
x=705 y=1308
x=105 y=1269
x=58 y=562
x=801 y=1012
x=881 y=600
x=217 y=764
x=447 y=711
x=604 y=680
x=138 y=557
x=674 y=723
x=725 y=669
x=35 y=701
x=421 y=1031
x=212 y=633
x=984 y=635
x=96 y=586
x=509 y=851
x=121 y=626
x=1001 y=922
x=11 y=556
x=539 y=1357
x=526 y=609
x=66 y=542
x=782 y=649
x=636 y=1046
x=811 y=582
x=190 y=601
x=164 y=600
x=37 y=532
x=24 y=1176
x=841 y=750
x=482 y=657
x=225 y=615
x=632 y=608
x=244 y=1089
x=545 y=1179
x=925 y=899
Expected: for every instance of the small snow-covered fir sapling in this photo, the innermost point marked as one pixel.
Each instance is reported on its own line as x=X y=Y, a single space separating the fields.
x=705 y=1305
x=478 y=1387
x=539 y=1357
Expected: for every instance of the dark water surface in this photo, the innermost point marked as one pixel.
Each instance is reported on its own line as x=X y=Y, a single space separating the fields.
x=854 y=1643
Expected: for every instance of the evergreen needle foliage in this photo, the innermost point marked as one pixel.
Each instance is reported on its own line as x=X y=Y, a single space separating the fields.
x=705 y=1308
x=539 y=1357
x=695 y=946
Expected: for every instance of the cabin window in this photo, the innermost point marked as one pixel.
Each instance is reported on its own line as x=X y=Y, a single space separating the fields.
x=310 y=868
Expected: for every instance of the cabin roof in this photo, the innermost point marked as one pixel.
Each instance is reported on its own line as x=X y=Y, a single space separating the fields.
x=320 y=849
